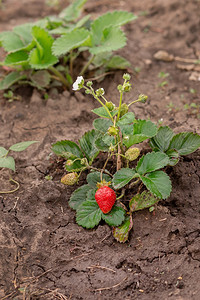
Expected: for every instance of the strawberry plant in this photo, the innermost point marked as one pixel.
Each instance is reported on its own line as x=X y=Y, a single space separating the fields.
x=43 y=53
x=7 y=161
x=126 y=181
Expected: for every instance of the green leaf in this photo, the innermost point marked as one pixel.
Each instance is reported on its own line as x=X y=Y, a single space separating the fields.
x=108 y=139
x=113 y=39
x=79 y=196
x=158 y=183
x=185 y=142
x=125 y=124
x=142 y=201
x=117 y=62
x=115 y=217
x=22 y=146
x=142 y=130
x=173 y=157
x=121 y=233
x=73 y=11
x=104 y=142
x=126 y=119
x=101 y=145
x=41 y=57
x=76 y=166
x=91 y=195
x=82 y=21
x=102 y=125
x=87 y=143
x=69 y=41
x=67 y=149
x=7 y=162
x=102 y=112
x=127 y=132
x=110 y=19
x=162 y=139
x=43 y=23
x=16 y=58
x=11 y=41
x=41 y=78
x=95 y=177
x=101 y=59
x=10 y=79
x=152 y=162
x=18 y=39
x=3 y=151
x=24 y=32
x=122 y=177
x=88 y=214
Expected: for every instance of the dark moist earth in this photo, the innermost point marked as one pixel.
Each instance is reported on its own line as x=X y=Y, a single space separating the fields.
x=44 y=254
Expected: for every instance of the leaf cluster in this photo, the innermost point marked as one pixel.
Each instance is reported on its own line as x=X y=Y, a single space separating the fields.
x=7 y=161
x=40 y=52
x=88 y=213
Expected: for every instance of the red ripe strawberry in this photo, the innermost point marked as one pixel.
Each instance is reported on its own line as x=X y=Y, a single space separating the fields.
x=105 y=198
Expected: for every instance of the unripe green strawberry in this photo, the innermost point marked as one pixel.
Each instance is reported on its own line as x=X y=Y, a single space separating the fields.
x=70 y=178
x=105 y=198
x=132 y=153
x=110 y=105
x=124 y=109
x=112 y=130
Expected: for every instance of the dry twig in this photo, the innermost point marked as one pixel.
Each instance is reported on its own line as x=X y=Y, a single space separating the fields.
x=101 y=267
x=110 y=287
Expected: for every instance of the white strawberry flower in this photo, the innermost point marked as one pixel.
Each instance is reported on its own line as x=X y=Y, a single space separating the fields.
x=78 y=84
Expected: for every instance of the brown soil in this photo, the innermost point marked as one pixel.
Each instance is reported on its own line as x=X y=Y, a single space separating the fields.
x=44 y=254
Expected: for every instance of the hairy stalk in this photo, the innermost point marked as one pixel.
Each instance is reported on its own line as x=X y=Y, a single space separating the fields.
x=100 y=76
x=122 y=194
x=102 y=104
x=120 y=104
x=104 y=98
x=120 y=100
x=134 y=183
x=99 y=170
x=103 y=169
x=71 y=63
x=138 y=100
x=60 y=76
x=119 y=161
x=87 y=65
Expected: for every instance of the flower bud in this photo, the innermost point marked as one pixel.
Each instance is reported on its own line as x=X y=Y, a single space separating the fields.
x=89 y=83
x=142 y=98
x=127 y=87
x=120 y=88
x=112 y=130
x=70 y=178
x=132 y=154
x=100 y=92
x=88 y=91
x=126 y=76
